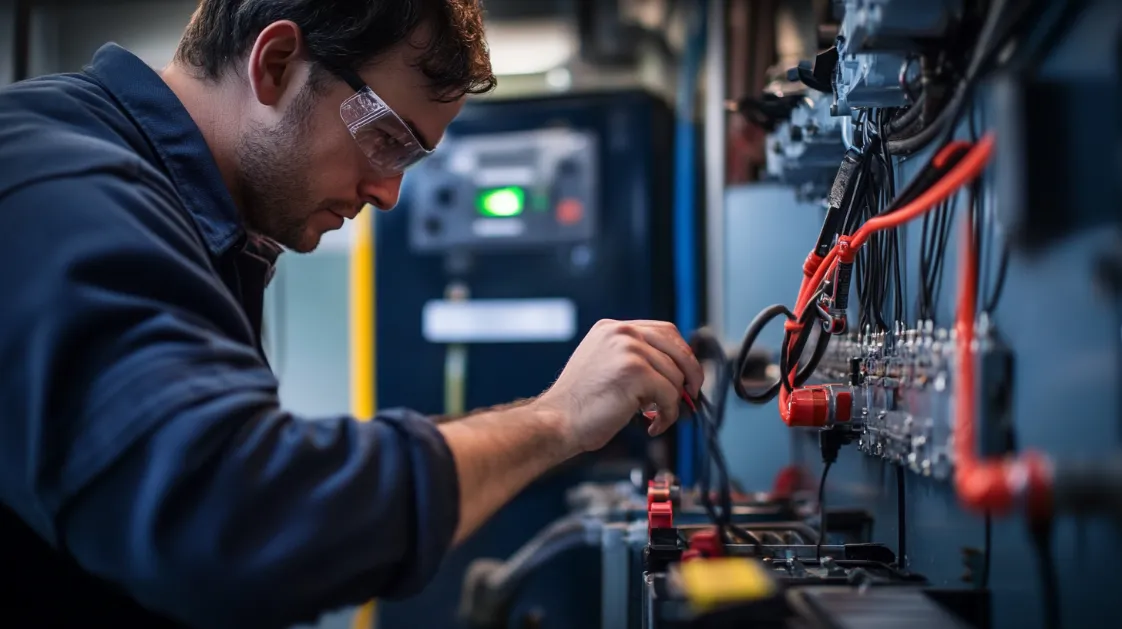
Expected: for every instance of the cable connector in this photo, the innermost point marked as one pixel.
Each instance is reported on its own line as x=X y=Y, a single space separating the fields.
x=833 y=306
x=847 y=253
x=660 y=515
x=705 y=544
x=820 y=406
x=831 y=440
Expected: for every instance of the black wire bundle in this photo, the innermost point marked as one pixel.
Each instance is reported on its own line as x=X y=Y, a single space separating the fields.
x=710 y=458
x=984 y=237
x=962 y=74
x=879 y=265
x=931 y=119
x=932 y=256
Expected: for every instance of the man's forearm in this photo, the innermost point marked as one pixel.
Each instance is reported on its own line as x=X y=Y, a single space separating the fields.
x=500 y=452
x=444 y=419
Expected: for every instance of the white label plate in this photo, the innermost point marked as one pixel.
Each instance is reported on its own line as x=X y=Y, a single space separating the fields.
x=499 y=321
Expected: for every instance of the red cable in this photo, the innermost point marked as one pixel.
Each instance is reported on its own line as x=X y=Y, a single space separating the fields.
x=987 y=485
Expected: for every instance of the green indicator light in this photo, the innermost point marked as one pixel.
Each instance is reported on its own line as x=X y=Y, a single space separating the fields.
x=502 y=202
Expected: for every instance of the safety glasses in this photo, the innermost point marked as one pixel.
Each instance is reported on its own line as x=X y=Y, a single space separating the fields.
x=386 y=140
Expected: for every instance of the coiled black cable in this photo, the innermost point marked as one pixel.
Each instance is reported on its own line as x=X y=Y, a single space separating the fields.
x=787 y=350
x=766 y=316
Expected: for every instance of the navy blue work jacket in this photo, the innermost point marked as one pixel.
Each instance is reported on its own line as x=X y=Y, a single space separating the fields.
x=148 y=474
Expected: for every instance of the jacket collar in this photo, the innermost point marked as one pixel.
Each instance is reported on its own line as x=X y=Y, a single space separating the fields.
x=177 y=142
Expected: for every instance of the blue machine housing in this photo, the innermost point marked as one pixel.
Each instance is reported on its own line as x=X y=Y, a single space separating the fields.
x=617 y=267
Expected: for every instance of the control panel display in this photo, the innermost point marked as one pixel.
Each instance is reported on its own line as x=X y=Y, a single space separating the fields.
x=506 y=191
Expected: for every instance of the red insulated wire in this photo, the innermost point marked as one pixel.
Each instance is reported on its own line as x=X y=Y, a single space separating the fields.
x=689 y=401
x=986 y=486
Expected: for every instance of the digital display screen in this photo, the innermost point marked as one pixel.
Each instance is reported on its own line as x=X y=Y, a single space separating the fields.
x=503 y=202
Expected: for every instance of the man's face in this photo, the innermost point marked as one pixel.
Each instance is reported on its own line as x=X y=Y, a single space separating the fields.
x=303 y=174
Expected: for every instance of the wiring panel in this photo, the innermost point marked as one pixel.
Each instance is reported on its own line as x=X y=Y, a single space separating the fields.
x=975 y=145
x=894 y=89
x=902 y=382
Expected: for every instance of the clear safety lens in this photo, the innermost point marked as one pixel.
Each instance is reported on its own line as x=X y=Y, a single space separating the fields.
x=384 y=138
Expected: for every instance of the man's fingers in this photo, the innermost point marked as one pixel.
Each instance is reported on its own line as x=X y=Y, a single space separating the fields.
x=664 y=365
x=666 y=395
x=665 y=338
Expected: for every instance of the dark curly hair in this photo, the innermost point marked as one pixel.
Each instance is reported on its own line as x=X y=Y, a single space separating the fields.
x=349 y=34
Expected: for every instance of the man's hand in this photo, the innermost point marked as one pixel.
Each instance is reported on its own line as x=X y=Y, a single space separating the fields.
x=619 y=368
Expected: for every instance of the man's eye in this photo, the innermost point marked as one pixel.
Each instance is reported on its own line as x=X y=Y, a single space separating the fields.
x=376 y=137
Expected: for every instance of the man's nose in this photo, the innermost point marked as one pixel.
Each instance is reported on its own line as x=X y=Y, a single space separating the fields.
x=381 y=192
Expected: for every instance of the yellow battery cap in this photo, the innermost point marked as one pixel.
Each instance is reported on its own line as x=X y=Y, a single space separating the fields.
x=711 y=583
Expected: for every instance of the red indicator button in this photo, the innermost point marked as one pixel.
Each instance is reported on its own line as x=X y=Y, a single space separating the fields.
x=569 y=211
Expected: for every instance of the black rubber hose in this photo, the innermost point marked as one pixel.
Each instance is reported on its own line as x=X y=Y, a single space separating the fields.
x=905 y=120
x=491 y=585
x=945 y=122
x=926 y=135
x=757 y=325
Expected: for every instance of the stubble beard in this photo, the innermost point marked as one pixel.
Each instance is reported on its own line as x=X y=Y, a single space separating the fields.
x=274 y=179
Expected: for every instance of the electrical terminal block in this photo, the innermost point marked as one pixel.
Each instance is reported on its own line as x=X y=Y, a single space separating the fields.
x=902 y=386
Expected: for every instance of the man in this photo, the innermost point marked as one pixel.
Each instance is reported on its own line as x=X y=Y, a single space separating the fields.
x=148 y=475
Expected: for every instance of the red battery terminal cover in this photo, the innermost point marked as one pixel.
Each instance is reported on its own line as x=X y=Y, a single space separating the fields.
x=660 y=515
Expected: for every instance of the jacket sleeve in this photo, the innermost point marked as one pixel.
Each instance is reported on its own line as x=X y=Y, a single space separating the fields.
x=142 y=433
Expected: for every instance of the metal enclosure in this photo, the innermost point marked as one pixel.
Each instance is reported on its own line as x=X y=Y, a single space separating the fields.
x=533 y=220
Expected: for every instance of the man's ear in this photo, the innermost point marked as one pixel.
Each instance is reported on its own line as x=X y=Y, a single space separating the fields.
x=274 y=61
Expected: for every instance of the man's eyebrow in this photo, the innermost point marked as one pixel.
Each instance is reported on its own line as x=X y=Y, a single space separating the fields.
x=417 y=134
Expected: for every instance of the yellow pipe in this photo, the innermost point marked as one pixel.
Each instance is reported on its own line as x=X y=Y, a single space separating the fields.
x=362 y=316
x=362 y=326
